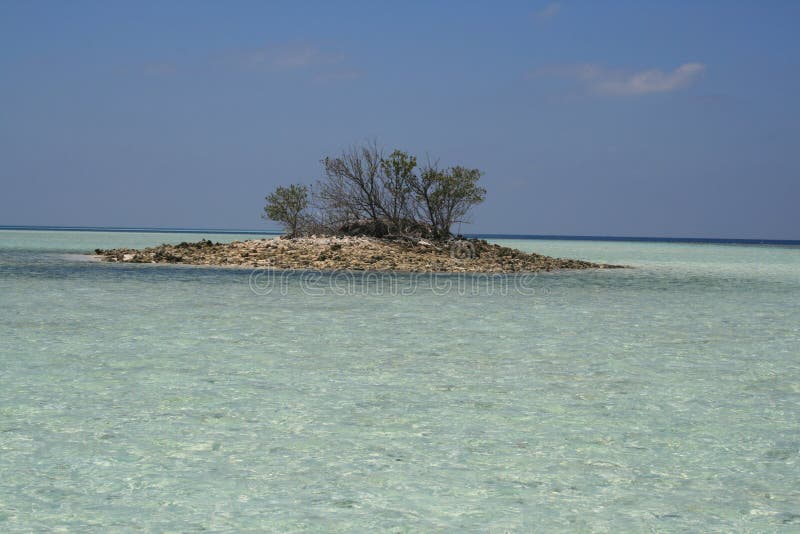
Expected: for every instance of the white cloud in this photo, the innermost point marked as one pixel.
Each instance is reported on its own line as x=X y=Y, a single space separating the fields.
x=290 y=56
x=307 y=60
x=341 y=75
x=617 y=82
x=652 y=81
x=548 y=12
x=162 y=68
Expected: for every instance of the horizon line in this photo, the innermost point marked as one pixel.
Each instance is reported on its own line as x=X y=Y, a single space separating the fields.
x=555 y=237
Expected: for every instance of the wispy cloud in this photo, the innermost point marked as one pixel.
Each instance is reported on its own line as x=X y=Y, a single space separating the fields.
x=289 y=56
x=338 y=75
x=548 y=12
x=651 y=81
x=160 y=68
x=606 y=81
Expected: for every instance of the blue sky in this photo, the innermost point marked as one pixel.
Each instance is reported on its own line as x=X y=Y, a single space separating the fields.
x=588 y=118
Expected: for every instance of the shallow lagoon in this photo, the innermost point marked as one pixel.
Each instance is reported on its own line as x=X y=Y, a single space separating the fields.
x=665 y=397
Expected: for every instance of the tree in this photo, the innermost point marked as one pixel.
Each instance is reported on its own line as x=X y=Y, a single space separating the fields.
x=287 y=206
x=445 y=197
x=395 y=200
x=350 y=190
x=364 y=193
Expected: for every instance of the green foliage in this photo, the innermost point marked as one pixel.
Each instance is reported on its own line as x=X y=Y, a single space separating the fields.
x=397 y=177
x=364 y=191
x=456 y=188
x=445 y=197
x=286 y=205
x=398 y=170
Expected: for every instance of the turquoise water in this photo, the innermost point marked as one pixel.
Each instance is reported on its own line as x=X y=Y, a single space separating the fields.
x=660 y=398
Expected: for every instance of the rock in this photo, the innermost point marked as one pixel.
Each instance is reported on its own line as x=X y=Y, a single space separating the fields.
x=350 y=253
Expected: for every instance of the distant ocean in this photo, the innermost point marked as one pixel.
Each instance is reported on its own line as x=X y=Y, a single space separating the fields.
x=665 y=397
x=481 y=236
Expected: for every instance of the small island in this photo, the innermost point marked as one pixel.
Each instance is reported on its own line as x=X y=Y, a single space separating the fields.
x=370 y=212
x=351 y=253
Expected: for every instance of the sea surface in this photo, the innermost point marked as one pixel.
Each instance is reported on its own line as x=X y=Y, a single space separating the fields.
x=661 y=398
